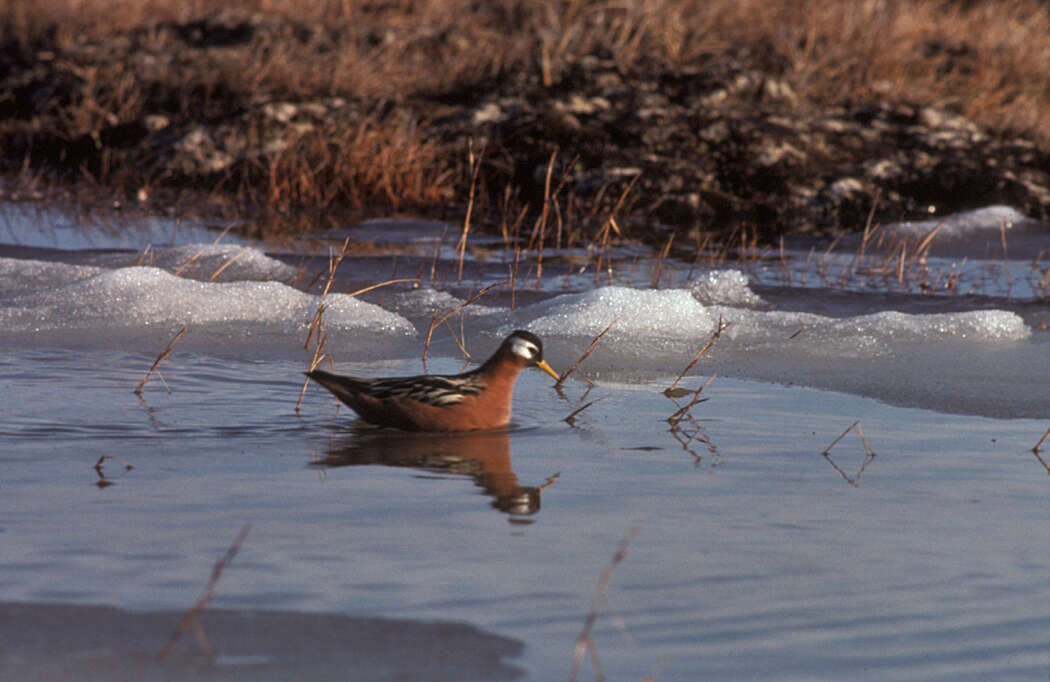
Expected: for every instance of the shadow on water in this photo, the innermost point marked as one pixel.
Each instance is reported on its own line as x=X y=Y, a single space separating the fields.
x=63 y=641
x=483 y=455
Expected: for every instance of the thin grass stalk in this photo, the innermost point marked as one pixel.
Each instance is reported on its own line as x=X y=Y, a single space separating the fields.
x=333 y=265
x=215 y=275
x=655 y=283
x=586 y=353
x=841 y=436
x=317 y=359
x=209 y=591
x=436 y=322
x=189 y=262
x=571 y=419
x=475 y=166
x=1006 y=258
x=584 y=641
x=610 y=224
x=682 y=412
x=542 y=225
x=1041 y=441
x=696 y=358
x=371 y=287
x=153 y=368
x=900 y=265
x=867 y=223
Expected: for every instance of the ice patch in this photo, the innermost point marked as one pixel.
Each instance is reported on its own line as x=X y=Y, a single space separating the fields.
x=725 y=287
x=977 y=325
x=147 y=296
x=986 y=221
x=427 y=302
x=210 y=262
x=18 y=274
x=663 y=313
x=664 y=319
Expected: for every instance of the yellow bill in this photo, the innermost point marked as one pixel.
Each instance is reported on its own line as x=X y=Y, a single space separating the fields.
x=542 y=364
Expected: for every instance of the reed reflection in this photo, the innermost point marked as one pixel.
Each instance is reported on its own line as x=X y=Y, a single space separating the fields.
x=484 y=456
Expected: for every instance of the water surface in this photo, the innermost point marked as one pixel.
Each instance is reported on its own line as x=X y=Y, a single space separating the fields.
x=756 y=556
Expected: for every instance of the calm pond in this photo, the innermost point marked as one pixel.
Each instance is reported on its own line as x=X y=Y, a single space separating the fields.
x=917 y=546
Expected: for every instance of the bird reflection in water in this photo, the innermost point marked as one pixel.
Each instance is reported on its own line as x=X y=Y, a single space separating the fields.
x=482 y=455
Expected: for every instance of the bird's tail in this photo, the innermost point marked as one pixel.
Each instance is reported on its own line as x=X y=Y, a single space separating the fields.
x=344 y=388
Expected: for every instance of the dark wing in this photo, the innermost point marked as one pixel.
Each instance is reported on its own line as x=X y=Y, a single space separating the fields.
x=434 y=389
x=429 y=389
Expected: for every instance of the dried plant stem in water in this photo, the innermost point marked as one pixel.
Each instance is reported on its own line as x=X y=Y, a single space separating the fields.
x=103 y=480
x=841 y=436
x=322 y=337
x=722 y=326
x=460 y=339
x=436 y=322
x=855 y=426
x=1006 y=257
x=610 y=224
x=1043 y=282
x=146 y=253
x=655 y=283
x=215 y=275
x=370 y=287
x=317 y=359
x=679 y=415
x=549 y=482
x=590 y=349
x=103 y=458
x=869 y=454
x=163 y=354
x=1041 y=441
x=333 y=265
x=190 y=262
x=475 y=166
x=584 y=642
x=868 y=222
x=542 y=226
x=209 y=590
x=1041 y=460
x=571 y=419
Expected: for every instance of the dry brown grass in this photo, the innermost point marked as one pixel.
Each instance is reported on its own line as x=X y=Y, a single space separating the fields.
x=987 y=59
x=382 y=161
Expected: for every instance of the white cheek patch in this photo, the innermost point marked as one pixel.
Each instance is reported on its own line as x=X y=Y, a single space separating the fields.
x=524 y=349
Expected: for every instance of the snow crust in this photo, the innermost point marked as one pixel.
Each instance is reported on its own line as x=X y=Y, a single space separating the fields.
x=148 y=296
